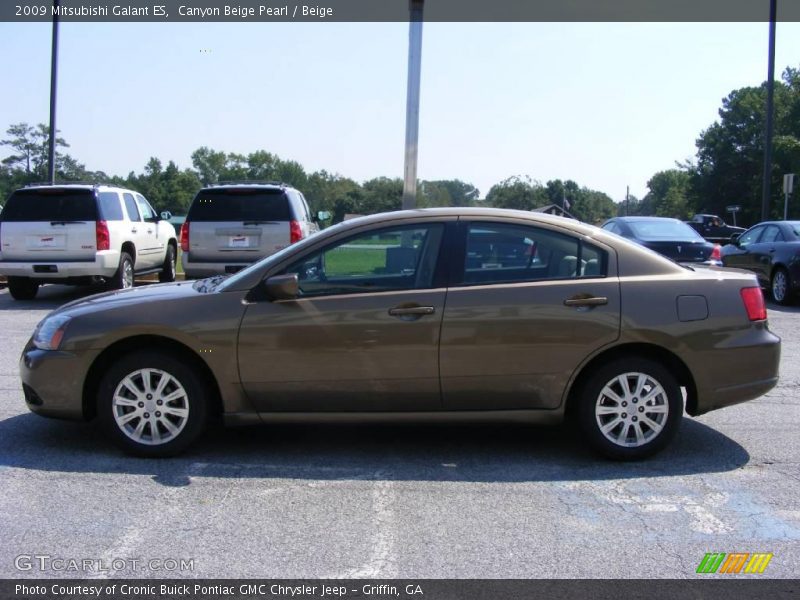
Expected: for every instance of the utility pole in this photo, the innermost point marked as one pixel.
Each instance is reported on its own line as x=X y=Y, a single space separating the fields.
x=765 y=189
x=51 y=150
x=412 y=103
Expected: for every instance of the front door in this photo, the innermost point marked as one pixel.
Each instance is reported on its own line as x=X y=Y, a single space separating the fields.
x=363 y=334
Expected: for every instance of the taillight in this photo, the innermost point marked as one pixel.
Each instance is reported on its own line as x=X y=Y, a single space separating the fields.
x=754 y=303
x=185 y=236
x=716 y=253
x=295 y=232
x=102 y=238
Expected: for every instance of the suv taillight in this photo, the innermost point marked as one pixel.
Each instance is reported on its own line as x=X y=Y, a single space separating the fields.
x=102 y=238
x=185 y=236
x=716 y=253
x=295 y=232
x=754 y=303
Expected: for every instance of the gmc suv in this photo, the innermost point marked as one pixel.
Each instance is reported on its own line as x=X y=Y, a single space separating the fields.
x=230 y=226
x=82 y=234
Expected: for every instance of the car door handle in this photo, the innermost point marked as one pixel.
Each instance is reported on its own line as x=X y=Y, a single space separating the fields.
x=586 y=300
x=133 y=230
x=411 y=312
x=149 y=231
x=772 y=250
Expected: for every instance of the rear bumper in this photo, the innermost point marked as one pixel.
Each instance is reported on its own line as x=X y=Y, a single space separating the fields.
x=198 y=269
x=105 y=264
x=743 y=370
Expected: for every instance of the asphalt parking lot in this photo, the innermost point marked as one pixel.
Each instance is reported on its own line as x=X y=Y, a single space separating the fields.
x=396 y=501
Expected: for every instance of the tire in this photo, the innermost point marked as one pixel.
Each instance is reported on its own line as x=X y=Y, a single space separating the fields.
x=168 y=271
x=124 y=277
x=164 y=394
x=780 y=286
x=638 y=434
x=22 y=288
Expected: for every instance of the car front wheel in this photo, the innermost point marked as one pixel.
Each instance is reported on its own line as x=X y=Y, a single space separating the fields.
x=152 y=404
x=780 y=286
x=630 y=408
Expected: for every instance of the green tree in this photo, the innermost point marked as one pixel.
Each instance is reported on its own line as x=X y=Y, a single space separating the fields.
x=730 y=152
x=517 y=192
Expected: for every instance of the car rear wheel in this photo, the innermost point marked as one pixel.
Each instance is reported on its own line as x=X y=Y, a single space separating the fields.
x=630 y=408
x=168 y=271
x=151 y=404
x=22 y=288
x=123 y=278
x=780 y=286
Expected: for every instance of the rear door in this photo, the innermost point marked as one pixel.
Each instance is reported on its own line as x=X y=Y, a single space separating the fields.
x=49 y=225
x=742 y=256
x=238 y=225
x=528 y=304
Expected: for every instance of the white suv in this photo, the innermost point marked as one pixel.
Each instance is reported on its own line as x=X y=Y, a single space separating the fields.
x=82 y=234
x=230 y=226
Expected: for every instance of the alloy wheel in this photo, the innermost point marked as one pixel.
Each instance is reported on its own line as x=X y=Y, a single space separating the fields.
x=632 y=409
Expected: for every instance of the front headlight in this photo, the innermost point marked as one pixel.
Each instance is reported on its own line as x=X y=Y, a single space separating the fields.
x=50 y=332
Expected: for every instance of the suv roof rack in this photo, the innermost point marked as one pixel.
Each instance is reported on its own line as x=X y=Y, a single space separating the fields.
x=250 y=182
x=55 y=183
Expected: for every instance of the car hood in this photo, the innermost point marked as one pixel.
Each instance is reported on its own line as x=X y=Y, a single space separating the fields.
x=134 y=297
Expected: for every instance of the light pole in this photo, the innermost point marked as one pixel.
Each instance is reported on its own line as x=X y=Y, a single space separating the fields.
x=773 y=10
x=51 y=150
x=412 y=103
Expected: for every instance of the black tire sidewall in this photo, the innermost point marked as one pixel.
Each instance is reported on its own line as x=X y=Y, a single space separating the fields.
x=188 y=378
x=591 y=388
x=169 y=269
x=22 y=288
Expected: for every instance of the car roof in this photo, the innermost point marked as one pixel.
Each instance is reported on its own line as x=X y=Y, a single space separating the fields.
x=638 y=218
x=254 y=185
x=538 y=217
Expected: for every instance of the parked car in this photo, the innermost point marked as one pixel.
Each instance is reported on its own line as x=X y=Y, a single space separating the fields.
x=670 y=237
x=713 y=228
x=352 y=323
x=771 y=250
x=231 y=226
x=82 y=234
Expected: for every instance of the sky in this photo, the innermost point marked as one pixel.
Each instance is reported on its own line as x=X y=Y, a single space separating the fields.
x=605 y=104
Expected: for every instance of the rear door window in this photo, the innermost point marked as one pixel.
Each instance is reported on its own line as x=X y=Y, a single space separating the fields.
x=247 y=205
x=130 y=207
x=110 y=208
x=42 y=205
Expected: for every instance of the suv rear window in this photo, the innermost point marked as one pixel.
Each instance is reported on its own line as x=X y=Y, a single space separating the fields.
x=50 y=205
x=240 y=205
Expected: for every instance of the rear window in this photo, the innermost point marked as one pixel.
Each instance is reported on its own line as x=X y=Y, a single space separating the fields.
x=50 y=205
x=654 y=231
x=240 y=205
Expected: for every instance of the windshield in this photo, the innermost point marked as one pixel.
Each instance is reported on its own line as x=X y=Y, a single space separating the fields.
x=666 y=230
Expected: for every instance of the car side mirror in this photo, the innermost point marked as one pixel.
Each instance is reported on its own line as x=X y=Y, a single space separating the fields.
x=735 y=239
x=282 y=287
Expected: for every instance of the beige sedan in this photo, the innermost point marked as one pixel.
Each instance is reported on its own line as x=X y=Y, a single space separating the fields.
x=460 y=313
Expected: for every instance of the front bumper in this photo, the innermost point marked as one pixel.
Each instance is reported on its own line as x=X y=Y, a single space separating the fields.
x=105 y=264
x=53 y=382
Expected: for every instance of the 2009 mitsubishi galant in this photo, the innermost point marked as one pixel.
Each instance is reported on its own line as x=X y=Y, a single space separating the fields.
x=462 y=313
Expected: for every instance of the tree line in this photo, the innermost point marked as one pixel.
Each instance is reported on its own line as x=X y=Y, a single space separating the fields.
x=726 y=170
